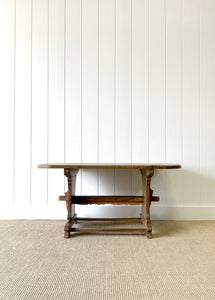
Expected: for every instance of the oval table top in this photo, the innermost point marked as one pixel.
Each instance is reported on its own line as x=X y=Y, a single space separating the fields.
x=107 y=166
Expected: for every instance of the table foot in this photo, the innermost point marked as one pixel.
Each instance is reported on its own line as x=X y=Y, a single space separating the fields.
x=149 y=235
x=67 y=230
x=66 y=234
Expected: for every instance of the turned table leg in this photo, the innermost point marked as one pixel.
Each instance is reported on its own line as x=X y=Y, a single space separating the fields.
x=71 y=178
x=147 y=173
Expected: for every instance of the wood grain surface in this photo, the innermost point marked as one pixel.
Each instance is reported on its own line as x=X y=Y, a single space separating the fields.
x=108 y=166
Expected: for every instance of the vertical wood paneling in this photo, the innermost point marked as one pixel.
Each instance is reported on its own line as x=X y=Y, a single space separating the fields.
x=174 y=81
x=157 y=103
x=106 y=81
x=106 y=182
x=123 y=182
x=90 y=93
x=207 y=100
x=39 y=100
x=174 y=100
x=23 y=103
x=90 y=80
x=56 y=99
x=191 y=99
x=73 y=81
x=140 y=81
x=157 y=91
x=106 y=93
x=140 y=55
x=123 y=81
x=73 y=101
x=7 y=20
x=123 y=93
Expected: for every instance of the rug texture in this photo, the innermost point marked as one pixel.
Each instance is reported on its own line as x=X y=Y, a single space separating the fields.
x=36 y=262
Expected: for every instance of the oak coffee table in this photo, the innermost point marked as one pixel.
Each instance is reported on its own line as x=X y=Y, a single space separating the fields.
x=146 y=170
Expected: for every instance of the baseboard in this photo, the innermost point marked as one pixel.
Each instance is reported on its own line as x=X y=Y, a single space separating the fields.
x=157 y=212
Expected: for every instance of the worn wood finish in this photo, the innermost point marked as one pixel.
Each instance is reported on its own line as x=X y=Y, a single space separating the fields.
x=110 y=230
x=109 y=166
x=147 y=171
x=68 y=226
x=71 y=178
x=108 y=219
x=68 y=203
x=147 y=193
x=116 y=200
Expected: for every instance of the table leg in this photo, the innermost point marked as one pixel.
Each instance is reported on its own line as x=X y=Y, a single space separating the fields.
x=147 y=173
x=71 y=178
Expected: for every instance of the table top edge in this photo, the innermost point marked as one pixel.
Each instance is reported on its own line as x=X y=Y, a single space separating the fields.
x=108 y=166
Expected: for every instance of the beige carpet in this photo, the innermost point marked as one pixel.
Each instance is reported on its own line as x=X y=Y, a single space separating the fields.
x=36 y=262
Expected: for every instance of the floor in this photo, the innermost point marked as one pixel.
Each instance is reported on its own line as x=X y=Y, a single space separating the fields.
x=36 y=262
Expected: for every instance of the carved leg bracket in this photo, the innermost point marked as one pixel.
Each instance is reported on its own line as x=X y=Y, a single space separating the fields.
x=69 y=197
x=71 y=178
x=147 y=174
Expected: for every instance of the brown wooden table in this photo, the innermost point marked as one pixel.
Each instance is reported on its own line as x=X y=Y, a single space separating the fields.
x=146 y=170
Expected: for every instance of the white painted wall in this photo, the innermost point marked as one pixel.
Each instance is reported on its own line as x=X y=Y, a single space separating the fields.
x=107 y=81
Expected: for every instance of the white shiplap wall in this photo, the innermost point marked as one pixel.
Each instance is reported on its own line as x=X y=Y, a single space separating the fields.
x=107 y=81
